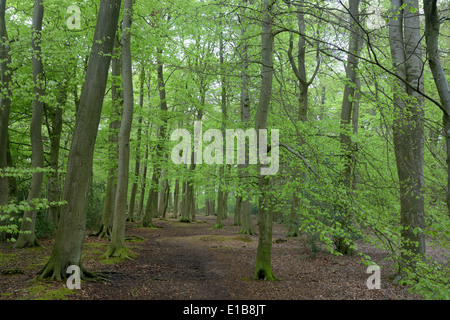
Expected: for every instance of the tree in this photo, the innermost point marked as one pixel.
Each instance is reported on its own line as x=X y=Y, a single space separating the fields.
x=5 y=103
x=117 y=245
x=432 y=27
x=344 y=244
x=138 y=147
x=113 y=143
x=28 y=237
x=408 y=128
x=72 y=224
x=263 y=269
x=243 y=204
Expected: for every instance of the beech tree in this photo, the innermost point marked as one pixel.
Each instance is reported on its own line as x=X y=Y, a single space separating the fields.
x=408 y=128
x=117 y=245
x=28 y=237
x=5 y=103
x=72 y=224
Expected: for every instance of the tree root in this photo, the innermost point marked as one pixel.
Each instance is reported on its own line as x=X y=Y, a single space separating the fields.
x=55 y=272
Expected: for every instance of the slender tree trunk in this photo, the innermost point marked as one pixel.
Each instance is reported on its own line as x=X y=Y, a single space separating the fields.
x=27 y=237
x=344 y=217
x=72 y=223
x=263 y=269
x=54 y=132
x=237 y=211
x=299 y=70
x=163 y=196
x=117 y=245
x=137 y=165
x=408 y=128
x=432 y=26
x=176 y=197
x=5 y=103
x=113 y=144
x=151 y=209
x=144 y=178
x=245 y=206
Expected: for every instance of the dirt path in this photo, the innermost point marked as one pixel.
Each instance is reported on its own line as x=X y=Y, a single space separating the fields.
x=179 y=261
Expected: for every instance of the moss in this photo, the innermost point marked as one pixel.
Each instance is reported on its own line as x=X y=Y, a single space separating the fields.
x=9 y=272
x=185 y=220
x=134 y=239
x=6 y=258
x=114 y=260
x=43 y=291
x=93 y=250
x=5 y=294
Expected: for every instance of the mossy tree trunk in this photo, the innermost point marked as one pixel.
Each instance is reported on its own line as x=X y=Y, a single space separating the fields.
x=72 y=223
x=263 y=269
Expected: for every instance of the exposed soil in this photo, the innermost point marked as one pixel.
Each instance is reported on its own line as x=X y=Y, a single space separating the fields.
x=180 y=261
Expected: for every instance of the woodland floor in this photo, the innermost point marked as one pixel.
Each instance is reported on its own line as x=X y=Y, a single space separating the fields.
x=181 y=261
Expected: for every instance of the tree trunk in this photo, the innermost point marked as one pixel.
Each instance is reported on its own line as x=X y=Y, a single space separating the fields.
x=54 y=132
x=237 y=211
x=343 y=215
x=408 y=128
x=245 y=206
x=137 y=165
x=5 y=103
x=303 y=87
x=432 y=25
x=163 y=197
x=117 y=245
x=263 y=268
x=144 y=179
x=176 y=197
x=113 y=144
x=72 y=223
x=151 y=209
x=27 y=237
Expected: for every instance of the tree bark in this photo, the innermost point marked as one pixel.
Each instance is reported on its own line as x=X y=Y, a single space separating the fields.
x=432 y=26
x=343 y=215
x=27 y=237
x=54 y=132
x=5 y=103
x=137 y=165
x=72 y=223
x=408 y=128
x=176 y=197
x=263 y=268
x=245 y=206
x=113 y=144
x=151 y=209
x=117 y=245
